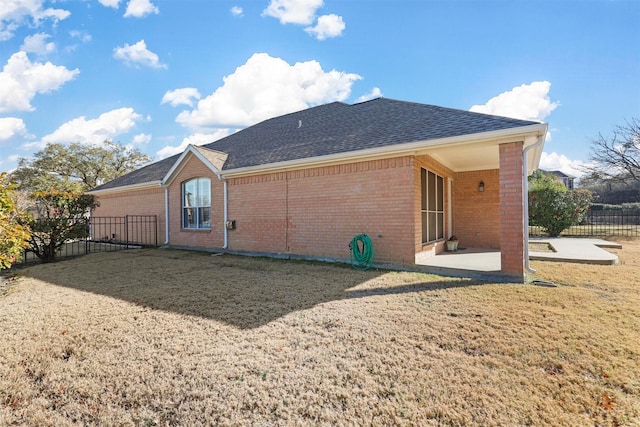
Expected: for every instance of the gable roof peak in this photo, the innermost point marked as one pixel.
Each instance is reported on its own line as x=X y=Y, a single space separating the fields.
x=212 y=159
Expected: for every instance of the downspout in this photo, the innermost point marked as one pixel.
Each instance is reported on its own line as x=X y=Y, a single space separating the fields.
x=226 y=216
x=166 y=215
x=525 y=200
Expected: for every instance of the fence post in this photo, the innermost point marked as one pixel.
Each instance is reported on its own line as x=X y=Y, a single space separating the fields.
x=126 y=231
x=86 y=236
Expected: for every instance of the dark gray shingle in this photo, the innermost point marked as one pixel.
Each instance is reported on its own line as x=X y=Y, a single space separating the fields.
x=335 y=128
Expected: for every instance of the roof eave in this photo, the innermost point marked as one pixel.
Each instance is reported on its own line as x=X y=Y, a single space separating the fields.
x=523 y=133
x=123 y=188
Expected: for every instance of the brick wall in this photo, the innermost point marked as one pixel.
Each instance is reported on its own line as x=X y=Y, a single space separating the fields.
x=511 y=209
x=317 y=211
x=475 y=214
x=258 y=204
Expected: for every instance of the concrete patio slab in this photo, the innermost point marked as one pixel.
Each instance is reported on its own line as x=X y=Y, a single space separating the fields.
x=476 y=259
x=586 y=251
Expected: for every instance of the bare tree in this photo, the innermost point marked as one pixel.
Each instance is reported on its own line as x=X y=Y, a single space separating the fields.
x=617 y=158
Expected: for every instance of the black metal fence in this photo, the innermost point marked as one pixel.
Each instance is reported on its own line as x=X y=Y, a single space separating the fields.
x=108 y=234
x=603 y=223
x=141 y=230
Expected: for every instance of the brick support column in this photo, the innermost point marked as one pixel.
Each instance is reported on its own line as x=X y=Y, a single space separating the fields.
x=511 y=210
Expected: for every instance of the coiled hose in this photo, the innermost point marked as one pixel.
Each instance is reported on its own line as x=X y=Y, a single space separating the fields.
x=361 y=252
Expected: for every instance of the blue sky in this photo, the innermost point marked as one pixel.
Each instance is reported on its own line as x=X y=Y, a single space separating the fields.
x=160 y=74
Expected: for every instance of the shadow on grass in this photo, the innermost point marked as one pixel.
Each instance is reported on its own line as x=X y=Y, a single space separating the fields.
x=240 y=291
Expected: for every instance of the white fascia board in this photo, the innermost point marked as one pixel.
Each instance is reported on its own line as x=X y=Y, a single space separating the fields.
x=132 y=187
x=411 y=148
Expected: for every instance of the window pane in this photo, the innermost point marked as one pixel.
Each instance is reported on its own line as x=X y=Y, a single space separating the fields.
x=190 y=190
x=204 y=217
x=423 y=189
x=440 y=195
x=431 y=192
x=188 y=219
x=432 y=226
x=425 y=234
x=440 y=225
x=204 y=192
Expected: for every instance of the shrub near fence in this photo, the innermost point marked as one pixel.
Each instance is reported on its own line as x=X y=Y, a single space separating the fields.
x=603 y=222
x=109 y=234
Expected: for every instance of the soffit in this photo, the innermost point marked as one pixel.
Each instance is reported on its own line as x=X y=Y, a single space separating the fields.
x=468 y=157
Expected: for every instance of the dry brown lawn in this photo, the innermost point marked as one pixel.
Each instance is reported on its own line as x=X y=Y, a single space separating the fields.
x=163 y=337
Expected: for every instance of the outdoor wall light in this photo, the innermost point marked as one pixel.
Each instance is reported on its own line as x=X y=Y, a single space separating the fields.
x=481 y=187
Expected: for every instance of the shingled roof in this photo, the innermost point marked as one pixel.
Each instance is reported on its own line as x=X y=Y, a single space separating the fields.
x=333 y=129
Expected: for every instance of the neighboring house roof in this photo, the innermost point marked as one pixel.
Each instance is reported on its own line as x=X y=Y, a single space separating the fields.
x=560 y=174
x=333 y=129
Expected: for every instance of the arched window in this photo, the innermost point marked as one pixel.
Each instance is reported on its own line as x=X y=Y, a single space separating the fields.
x=196 y=203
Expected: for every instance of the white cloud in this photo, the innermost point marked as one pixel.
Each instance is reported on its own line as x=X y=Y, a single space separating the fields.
x=137 y=54
x=327 y=26
x=140 y=8
x=555 y=161
x=526 y=102
x=266 y=87
x=236 y=11
x=195 y=139
x=93 y=131
x=181 y=96
x=37 y=44
x=141 y=139
x=80 y=35
x=15 y=13
x=12 y=127
x=375 y=93
x=110 y=3
x=301 y=12
x=21 y=80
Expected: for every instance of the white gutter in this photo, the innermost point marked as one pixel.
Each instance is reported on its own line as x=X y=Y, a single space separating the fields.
x=226 y=217
x=525 y=200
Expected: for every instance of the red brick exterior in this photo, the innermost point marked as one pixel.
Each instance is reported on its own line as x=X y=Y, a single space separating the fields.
x=317 y=211
x=511 y=209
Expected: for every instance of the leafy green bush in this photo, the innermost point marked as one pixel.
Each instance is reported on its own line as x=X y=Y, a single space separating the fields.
x=554 y=208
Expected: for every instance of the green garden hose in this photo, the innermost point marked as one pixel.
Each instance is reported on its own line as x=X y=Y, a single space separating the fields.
x=361 y=252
